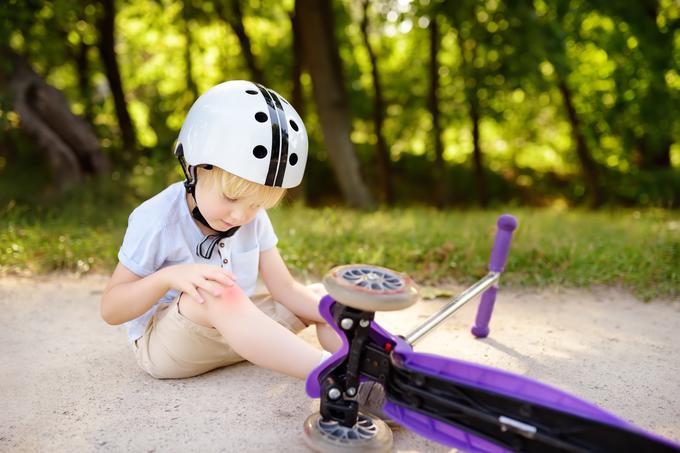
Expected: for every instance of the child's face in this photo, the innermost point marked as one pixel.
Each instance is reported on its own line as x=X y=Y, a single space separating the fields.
x=223 y=212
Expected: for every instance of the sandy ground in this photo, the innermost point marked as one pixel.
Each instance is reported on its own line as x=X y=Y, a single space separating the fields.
x=69 y=381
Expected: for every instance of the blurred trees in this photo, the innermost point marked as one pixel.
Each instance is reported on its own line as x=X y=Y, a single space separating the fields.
x=322 y=59
x=404 y=100
x=107 y=36
x=66 y=143
x=69 y=145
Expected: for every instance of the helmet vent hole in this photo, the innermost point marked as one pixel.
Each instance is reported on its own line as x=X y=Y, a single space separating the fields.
x=294 y=125
x=260 y=152
x=251 y=91
x=293 y=159
x=261 y=117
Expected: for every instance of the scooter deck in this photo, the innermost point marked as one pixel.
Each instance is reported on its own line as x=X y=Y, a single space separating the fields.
x=481 y=409
x=477 y=408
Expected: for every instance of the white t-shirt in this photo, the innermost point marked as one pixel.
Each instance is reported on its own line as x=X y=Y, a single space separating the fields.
x=161 y=232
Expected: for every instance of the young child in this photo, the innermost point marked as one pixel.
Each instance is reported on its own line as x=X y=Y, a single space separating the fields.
x=191 y=255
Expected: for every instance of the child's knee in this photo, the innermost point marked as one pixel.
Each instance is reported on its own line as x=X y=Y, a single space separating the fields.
x=318 y=289
x=232 y=293
x=230 y=299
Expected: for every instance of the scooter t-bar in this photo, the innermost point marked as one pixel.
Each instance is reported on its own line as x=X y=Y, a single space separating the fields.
x=487 y=285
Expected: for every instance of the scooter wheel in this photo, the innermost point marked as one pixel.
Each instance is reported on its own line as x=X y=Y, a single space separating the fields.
x=370 y=288
x=367 y=435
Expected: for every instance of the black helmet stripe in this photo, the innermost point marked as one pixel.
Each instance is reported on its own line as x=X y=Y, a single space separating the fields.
x=283 y=158
x=274 y=160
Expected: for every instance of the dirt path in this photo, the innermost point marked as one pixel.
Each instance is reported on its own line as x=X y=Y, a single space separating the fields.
x=69 y=382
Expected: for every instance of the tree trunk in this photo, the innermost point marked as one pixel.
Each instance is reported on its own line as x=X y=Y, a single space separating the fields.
x=323 y=62
x=657 y=107
x=653 y=158
x=588 y=166
x=298 y=62
x=480 y=177
x=108 y=55
x=475 y=116
x=659 y=112
x=83 y=68
x=71 y=147
x=191 y=85
x=297 y=98
x=440 y=168
x=383 y=154
x=235 y=21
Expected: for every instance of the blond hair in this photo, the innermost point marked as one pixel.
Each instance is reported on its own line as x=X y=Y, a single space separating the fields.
x=234 y=186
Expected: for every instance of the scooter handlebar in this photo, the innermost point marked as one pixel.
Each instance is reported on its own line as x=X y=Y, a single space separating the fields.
x=499 y=253
x=501 y=245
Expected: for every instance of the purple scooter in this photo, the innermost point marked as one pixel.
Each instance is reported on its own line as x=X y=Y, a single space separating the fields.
x=460 y=404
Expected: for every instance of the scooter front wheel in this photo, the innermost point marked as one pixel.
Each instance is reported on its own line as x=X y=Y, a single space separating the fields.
x=367 y=435
x=370 y=288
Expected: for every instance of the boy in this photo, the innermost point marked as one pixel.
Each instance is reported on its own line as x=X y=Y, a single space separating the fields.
x=191 y=254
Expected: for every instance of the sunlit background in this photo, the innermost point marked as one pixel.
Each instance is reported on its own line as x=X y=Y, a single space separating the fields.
x=452 y=111
x=508 y=71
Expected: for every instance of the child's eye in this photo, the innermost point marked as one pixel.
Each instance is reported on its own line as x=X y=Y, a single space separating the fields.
x=230 y=199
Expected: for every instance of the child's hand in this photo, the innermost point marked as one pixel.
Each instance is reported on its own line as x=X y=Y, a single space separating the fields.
x=187 y=278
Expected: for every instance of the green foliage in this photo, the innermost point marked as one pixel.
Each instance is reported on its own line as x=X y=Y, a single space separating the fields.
x=621 y=60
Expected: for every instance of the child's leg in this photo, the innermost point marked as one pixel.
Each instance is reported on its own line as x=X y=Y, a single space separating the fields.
x=328 y=338
x=176 y=347
x=252 y=334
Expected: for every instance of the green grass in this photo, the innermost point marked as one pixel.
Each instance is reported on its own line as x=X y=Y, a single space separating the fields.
x=638 y=250
x=633 y=249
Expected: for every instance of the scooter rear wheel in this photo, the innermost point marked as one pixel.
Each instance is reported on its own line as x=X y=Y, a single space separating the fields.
x=368 y=434
x=370 y=288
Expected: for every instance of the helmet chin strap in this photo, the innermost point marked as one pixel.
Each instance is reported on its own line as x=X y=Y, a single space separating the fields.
x=207 y=246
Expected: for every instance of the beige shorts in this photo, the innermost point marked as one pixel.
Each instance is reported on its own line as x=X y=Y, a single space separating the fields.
x=176 y=347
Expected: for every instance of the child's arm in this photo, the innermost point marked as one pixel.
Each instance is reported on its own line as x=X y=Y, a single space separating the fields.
x=283 y=287
x=128 y=296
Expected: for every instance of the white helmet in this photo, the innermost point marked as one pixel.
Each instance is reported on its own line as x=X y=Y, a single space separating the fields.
x=245 y=129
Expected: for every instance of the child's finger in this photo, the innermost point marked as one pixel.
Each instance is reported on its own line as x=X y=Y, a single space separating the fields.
x=221 y=278
x=193 y=292
x=210 y=287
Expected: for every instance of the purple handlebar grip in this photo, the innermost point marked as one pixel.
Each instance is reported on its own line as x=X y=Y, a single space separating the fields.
x=499 y=253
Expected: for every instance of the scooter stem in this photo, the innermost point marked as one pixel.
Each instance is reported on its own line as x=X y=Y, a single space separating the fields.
x=442 y=315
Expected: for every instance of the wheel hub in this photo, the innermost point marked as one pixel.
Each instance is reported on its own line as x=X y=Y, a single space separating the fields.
x=373 y=279
x=364 y=429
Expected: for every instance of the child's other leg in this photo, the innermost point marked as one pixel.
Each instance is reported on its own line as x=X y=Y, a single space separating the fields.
x=252 y=334
x=328 y=337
